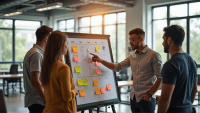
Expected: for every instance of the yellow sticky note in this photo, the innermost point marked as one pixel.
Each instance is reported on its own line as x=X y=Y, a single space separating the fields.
x=82 y=93
x=80 y=82
x=85 y=82
x=97 y=49
x=97 y=91
x=75 y=49
x=95 y=82
x=77 y=69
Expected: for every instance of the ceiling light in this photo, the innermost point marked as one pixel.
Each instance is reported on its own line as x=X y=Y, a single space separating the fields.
x=13 y=13
x=50 y=6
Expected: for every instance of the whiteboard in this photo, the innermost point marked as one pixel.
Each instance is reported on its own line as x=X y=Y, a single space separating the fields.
x=86 y=44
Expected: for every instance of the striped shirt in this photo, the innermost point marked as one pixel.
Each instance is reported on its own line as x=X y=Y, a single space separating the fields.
x=146 y=68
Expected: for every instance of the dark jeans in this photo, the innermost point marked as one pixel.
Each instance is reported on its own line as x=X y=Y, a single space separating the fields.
x=143 y=106
x=36 y=108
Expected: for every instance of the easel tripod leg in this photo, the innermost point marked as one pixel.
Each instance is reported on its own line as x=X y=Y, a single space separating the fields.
x=113 y=108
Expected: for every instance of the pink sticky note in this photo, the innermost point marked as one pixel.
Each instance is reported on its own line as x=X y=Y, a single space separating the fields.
x=97 y=64
x=102 y=90
x=109 y=87
x=76 y=58
x=98 y=71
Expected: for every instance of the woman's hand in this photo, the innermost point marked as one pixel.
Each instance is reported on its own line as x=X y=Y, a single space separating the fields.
x=77 y=91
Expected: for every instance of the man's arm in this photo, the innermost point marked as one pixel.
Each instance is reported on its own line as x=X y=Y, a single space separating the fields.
x=194 y=90
x=156 y=86
x=153 y=90
x=105 y=63
x=156 y=65
x=35 y=81
x=165 y=99
x=113 y=66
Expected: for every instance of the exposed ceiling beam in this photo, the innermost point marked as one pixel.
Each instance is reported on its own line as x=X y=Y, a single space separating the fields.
x=111 y=3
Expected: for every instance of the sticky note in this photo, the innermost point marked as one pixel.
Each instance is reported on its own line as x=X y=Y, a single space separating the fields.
x=77 y=69
x=102 y=90
x=75 y=49
x=98 y=71
x=97 y=49
x=109 y=87
x=80 y=83
x=85 y=82
x=89 y=50
x=97 y=64
x=95 y=82
x=76 y=58
x=97 y=91
x=82 y=93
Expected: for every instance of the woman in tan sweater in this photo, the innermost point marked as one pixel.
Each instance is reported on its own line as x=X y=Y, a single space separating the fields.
x=56 y=76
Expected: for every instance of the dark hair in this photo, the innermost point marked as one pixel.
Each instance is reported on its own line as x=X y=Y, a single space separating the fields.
x=52 y=52
x=176 y=32
x=43 y=32
x=138 y=31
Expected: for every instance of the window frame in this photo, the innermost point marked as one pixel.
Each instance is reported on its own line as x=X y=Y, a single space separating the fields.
x=65 y=29
x=13 y=39
x=188 y=17
x=103 y=26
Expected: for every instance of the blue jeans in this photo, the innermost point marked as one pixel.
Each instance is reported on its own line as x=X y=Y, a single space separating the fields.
x=143 y=106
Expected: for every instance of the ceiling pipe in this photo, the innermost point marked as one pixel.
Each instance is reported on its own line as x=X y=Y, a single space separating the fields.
x=13 y=3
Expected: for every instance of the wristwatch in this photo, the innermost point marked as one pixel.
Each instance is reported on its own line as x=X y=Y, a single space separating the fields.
x=150 y=95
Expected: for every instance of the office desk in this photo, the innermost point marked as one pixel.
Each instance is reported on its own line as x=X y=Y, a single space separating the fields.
x=125 y=83
x=158 y=93
x=122 y=84
x=8 y=71
x=8 y=76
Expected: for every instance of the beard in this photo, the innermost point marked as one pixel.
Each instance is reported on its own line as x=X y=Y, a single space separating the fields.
x=166 y=48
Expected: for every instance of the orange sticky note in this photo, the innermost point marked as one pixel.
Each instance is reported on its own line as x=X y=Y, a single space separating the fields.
x=75 y=49
x=82 y=93
x=97 y=64
x=76 y=58
x=102 y=90
x=98 y=71
x=95 y=82
x=97 y=91
x=109 y=87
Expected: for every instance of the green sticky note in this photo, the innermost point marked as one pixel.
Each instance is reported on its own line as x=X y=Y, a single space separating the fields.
x=77 y=69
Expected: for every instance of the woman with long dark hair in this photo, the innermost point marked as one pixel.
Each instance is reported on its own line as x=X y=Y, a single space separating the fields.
x=56 y=76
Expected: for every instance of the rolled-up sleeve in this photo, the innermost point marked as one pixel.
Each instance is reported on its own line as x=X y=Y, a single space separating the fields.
x=35 y=62
x=157 y=65
x=66 y=85
x=122 y=65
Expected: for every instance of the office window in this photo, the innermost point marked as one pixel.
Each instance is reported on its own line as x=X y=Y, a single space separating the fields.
x=24 y=37
x=66 y=25
x=6 y=40
x=103 y=24
x=23 y=40
x=178 y=14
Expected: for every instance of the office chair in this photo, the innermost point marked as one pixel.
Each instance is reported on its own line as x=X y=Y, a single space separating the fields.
x=13 y=70
x=2 y=103
x=124 y=75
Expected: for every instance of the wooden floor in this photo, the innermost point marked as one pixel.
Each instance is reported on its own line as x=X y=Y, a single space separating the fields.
x=15 y=104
